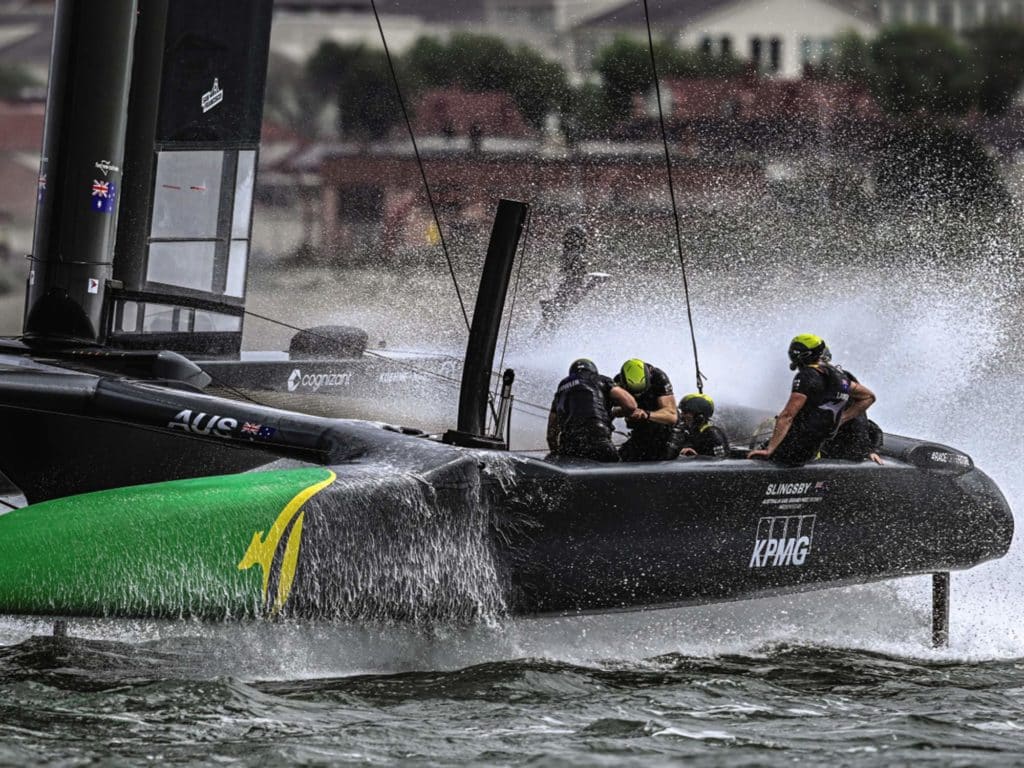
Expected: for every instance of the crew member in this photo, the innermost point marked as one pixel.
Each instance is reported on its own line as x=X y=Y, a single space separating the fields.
x=652 y=421
x=573 y=282
x=580 y=422
x=695 y=435
x=822 y=400
x=857 y=439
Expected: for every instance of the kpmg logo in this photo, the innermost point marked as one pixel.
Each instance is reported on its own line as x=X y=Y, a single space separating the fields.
x=784 y=540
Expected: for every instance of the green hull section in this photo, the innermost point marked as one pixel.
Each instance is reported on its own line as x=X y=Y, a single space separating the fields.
x=213 y=547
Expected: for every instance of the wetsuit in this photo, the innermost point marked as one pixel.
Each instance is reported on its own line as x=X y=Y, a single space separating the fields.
x=582 y=408
x=649 y=440
x=856 y=440
x=827 y=388
x=706 y=440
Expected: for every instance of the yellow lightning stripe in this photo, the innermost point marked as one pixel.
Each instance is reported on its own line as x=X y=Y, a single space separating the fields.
x=261 y=550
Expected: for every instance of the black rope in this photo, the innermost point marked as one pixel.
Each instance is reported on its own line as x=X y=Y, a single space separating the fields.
x=234 y=390
x=419 y=163
x=672 y=195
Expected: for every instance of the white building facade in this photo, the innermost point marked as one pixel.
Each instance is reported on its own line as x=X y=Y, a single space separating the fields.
x=957 y=15
x=780 y=37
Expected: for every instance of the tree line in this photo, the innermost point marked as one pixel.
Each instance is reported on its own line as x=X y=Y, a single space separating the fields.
x=911 y=70
x=923 y=70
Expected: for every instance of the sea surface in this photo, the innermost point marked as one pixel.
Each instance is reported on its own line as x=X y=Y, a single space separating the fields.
x=839 y=677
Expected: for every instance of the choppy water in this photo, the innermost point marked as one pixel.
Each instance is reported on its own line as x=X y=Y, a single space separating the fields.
x=69 y=702
x=843 y=676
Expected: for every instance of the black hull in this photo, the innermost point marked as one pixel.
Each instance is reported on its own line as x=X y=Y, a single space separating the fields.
x=559 y=536
x=702 y=531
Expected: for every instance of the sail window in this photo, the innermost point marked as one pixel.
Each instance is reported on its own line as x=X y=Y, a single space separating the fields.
x=184 y=264
x=244 y=182
x=236 y=268
x=186 y=201
x=158 y=318
x=151 y=317
x=217 y=322
x=202 y=221
x=128 y=321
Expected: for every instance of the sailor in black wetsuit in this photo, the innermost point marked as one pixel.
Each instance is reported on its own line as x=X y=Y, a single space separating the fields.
x=858 y=439
x=695 y=435
x=653 y=421
x=580 y=422
x=574 y=283
x=822 y=400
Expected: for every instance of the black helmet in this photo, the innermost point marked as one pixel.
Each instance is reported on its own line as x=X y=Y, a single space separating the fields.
x=805 y=349
x=583 y=364
x=700 y=405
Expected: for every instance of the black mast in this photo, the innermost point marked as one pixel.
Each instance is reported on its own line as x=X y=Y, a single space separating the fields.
x=80 y=171
x=483 y=335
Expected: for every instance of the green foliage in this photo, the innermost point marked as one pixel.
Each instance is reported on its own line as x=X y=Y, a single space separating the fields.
x=482 y=63
x=850 y=61
x=13 y=80
x=625 y=69
x=290 y=98
x=361 y=81
x=998 y=58
x=924 y=164
x=585 y=114
x=922 y=69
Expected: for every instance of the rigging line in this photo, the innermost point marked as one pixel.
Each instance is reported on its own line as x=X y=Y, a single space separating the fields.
x=8 y=504
x=234 y=390
x=672 y=195
x=419 y=164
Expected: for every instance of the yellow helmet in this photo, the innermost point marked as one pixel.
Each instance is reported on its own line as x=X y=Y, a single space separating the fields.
x=698 y=404
x=805 y=349
x=634 y=375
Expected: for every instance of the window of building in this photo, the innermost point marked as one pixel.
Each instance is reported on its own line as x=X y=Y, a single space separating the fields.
x=706 y=47
x=755 y=51
x=806 y=51
x=726 y=46
x=921 y=12
x=945 y=14
x=968 y=15
x=775 y=54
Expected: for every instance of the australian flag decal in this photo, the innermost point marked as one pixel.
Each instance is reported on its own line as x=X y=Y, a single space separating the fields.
x=104 y=194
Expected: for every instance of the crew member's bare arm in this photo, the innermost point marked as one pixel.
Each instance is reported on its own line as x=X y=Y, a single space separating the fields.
x=782 y=424
x=624 y=403
x=861 y=398
x=666 y=413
